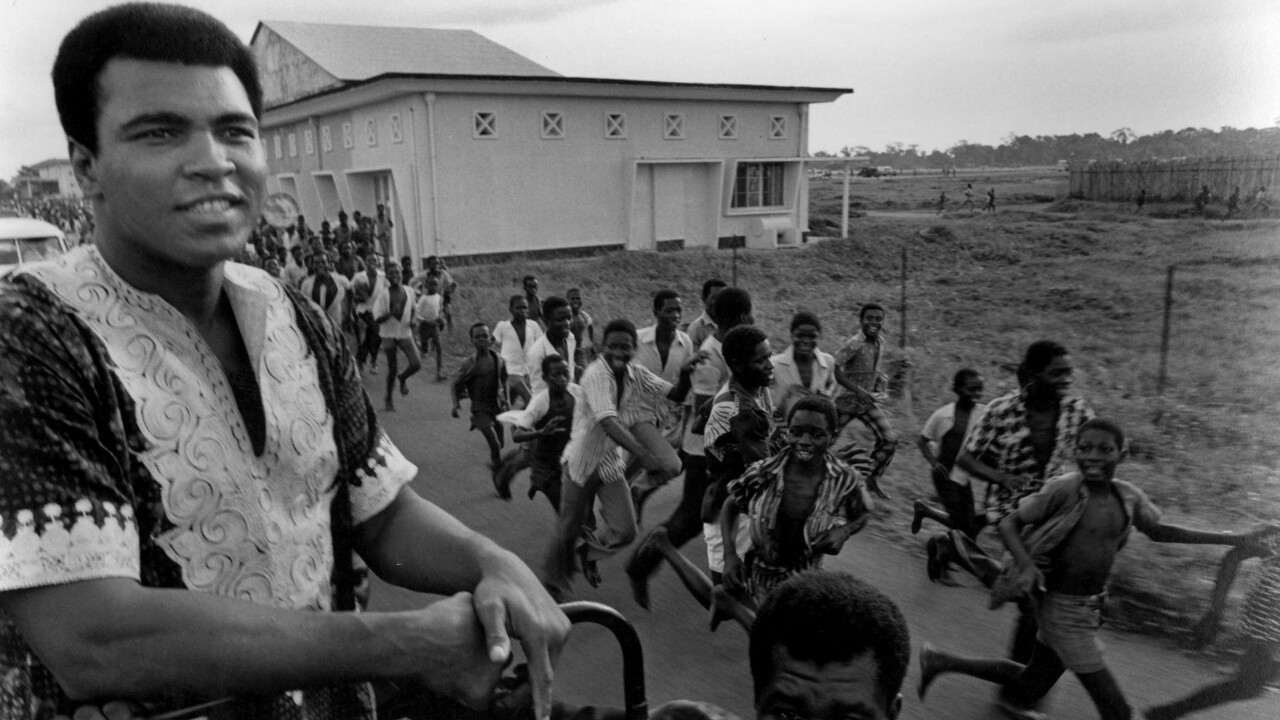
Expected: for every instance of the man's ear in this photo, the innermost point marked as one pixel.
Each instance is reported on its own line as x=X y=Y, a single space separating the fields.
x=895 y=707
x=84 y=165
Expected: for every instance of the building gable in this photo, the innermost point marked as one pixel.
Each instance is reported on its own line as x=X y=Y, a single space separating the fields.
x=286 y=73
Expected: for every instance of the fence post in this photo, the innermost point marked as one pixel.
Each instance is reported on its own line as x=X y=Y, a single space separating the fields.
x=1164 y=333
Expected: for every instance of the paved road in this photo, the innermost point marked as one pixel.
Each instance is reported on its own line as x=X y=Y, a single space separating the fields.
x=684 y=660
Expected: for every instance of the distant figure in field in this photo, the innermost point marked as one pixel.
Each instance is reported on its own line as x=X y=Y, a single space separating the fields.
x=1140 y=201
x=1260 y=204
x=942 y=201
x=1233 y=202
x=968 y=197
x=1202 y=200
x=991 y=201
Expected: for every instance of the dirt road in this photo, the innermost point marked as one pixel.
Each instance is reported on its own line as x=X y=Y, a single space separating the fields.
x=684 y=660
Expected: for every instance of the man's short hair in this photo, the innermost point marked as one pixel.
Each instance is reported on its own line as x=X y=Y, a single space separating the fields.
x=479 y=324
x=862 y=311
x=549 y=305
x=511 y=302
x=730 y=306
x=804 y=317
x=525 y=280
x=141 y=31
x=820 y=404
x=1107 y=426
x=710 y=285
x=550 y=360
x=963 y=375
x=661 y=297
x=739 y=343
x=1038 y=356
x=822 y=617
x=619 y=325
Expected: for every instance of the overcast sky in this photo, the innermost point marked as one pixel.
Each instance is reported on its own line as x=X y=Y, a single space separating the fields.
x=926 y=72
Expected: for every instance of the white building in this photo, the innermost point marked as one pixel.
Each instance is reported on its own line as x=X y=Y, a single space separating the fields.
x=477 y=150
x=53 y=177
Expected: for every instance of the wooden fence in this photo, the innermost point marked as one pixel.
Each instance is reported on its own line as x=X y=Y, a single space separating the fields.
x=1176 y=180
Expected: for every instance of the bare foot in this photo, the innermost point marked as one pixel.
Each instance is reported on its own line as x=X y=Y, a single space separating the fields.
x=389 y=406
x=404 y=386
x=721 y=607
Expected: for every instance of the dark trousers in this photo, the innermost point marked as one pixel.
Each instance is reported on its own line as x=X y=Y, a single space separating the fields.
x=685 y=522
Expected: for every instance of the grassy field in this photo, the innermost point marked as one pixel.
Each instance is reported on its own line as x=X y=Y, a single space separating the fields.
x=981 y=287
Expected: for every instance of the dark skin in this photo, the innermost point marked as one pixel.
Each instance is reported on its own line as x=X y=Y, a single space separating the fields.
x=558 y=329
x=519 y=313
x=804 y=341
x=967 y=396
x=668 y=316
x=1045 y=392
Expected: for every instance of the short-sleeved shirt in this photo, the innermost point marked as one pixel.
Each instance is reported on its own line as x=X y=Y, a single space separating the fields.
x=939 y=425
x=706 y=380
x=590 y=448
x=535 y=416
x=859 y=360
x=758 y=494
x=700 y=329
x=786 y=375
x=335 y=304
x=737 y=434
x=428 y=307
x=400 y=326
x=124 y=453
x=680 y=352
x=514 y=353
x=540 y=349
x=1003 y=438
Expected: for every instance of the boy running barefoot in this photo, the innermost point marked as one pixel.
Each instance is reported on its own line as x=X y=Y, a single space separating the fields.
x=1063 y=541
x=483 y=378
x=431 y=321
x=545 y=423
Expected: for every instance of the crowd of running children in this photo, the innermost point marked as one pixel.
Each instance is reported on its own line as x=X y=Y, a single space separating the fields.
x=603 y=417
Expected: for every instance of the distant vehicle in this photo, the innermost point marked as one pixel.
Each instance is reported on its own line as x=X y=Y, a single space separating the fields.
x=885 y=170
x=24 y=240
x=869 y=171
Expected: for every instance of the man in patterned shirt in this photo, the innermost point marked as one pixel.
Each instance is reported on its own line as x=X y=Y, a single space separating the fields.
x=864 y=388
x=1023 y=439
x=189 y=458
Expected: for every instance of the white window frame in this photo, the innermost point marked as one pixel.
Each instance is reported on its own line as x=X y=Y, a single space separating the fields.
x=728 y=127
x=673 y=126
x=309 y=141
x=777 y=127
x=293 y=145
x=758 y=193
x=552 y=125
x=277 y=143
x=484 y=125
x=397 y=132
x=348 y=136
x=615 y=126
x=326 y=138
x=371 y=132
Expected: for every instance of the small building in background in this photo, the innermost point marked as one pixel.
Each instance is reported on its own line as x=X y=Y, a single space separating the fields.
x=476 y=150
x=52 y=178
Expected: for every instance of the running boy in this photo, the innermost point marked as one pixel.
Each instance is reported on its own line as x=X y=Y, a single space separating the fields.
x=865 y=387
x=483 y=378
x=545 y=424
x=583 y=329
x=1063 y=541
x=431 y=321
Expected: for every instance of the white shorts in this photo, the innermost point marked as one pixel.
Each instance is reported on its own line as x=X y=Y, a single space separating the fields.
x=715 y=543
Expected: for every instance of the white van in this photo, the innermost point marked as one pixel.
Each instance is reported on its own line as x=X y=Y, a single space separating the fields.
x=24 y=240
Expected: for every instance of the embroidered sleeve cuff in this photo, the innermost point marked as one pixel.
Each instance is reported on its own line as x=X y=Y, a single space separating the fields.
x=381 y=478
x=50 y=554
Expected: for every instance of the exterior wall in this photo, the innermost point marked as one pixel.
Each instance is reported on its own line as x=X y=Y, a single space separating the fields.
x=285 y=73
x=520 y=189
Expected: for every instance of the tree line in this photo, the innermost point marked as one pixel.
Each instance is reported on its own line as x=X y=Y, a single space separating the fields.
x=1123 y=144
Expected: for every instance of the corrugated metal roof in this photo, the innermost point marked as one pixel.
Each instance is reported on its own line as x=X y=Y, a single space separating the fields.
x=359 y=52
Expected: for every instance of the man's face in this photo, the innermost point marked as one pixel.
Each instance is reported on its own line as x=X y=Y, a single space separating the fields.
x=558 y=322
x=346 y=249
x=296 y=252
x=971 y=389
x=531 y=285
x=872 y=321
x=1057 y=376
x=321 y=263
x=804 y=340
x=1097 y=455
x=432 y=286
x=371 y=266
x=841 y=690
x=758 y=370
x=619 y=348
x=710 y=298
x=272 y=266
x=433 y=264
x=557 y=376
x=519 y=309
x=393 y=274
x=575 y=301
x=480 y=339
x=179 y=171
x=670 y=314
